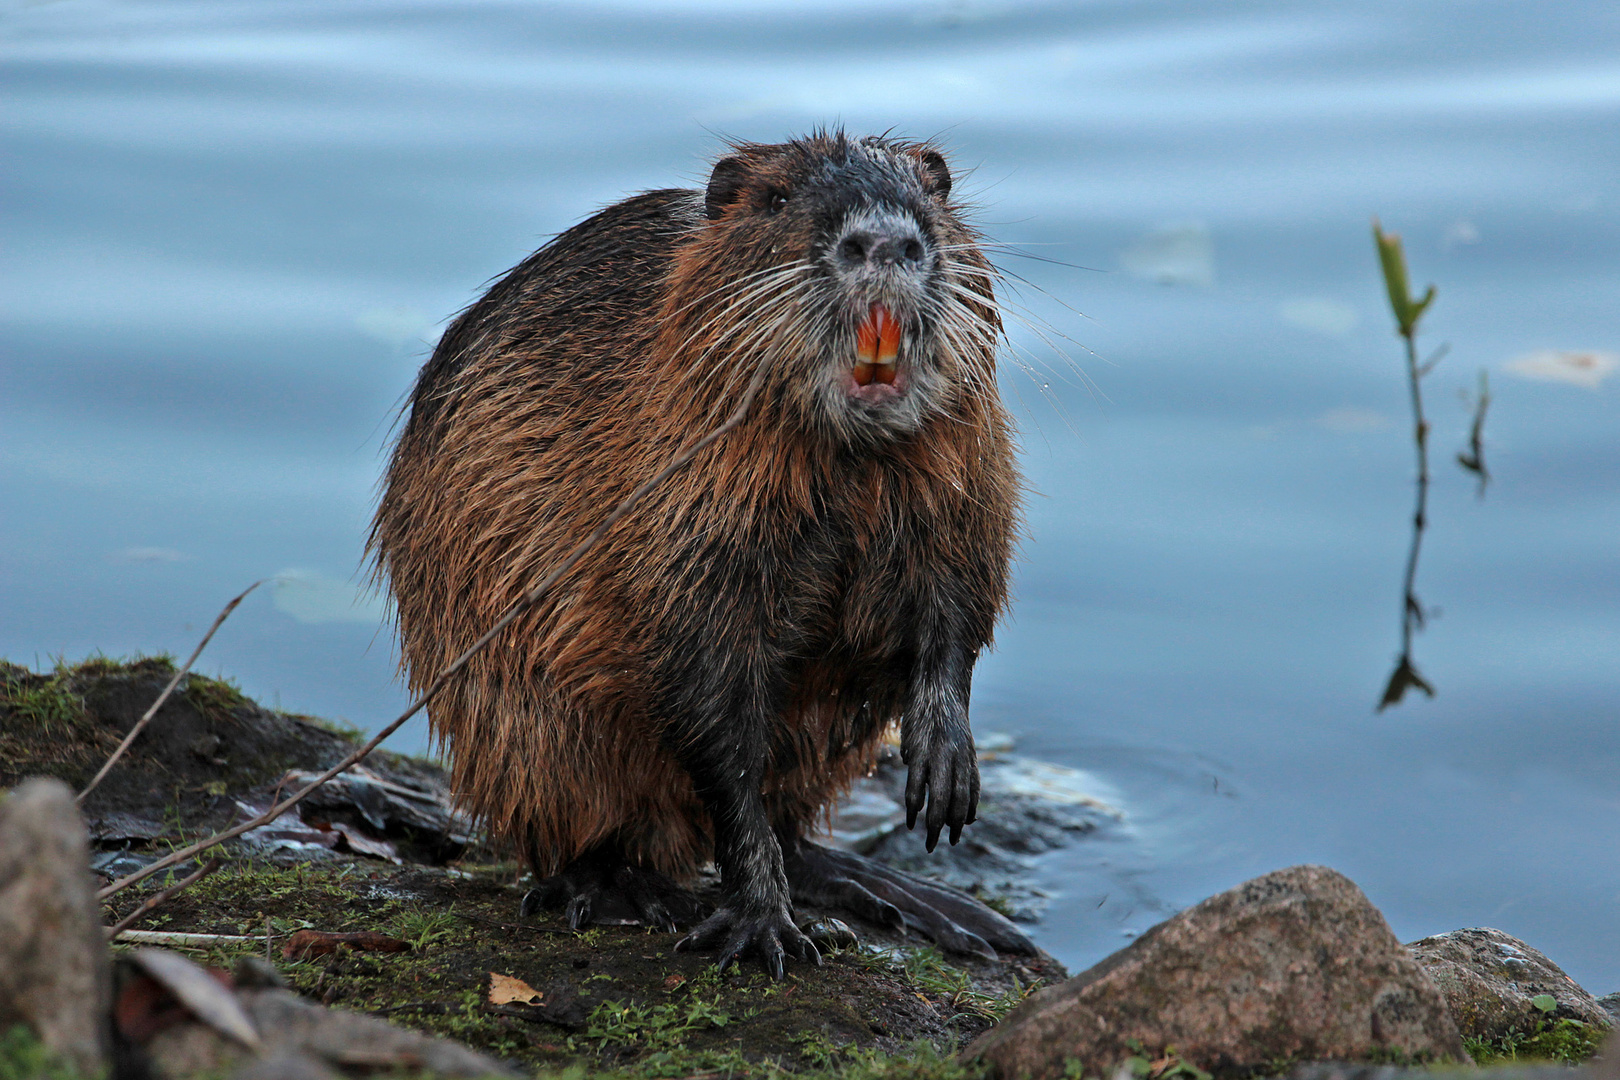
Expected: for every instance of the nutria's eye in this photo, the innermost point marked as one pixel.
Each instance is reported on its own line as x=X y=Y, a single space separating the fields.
x=774 y=202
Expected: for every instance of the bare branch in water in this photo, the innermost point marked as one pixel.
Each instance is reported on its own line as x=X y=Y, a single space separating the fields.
x=520 y=605
x=146 y=717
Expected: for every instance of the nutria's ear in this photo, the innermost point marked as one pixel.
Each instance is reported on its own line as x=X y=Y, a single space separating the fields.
x=938 y=173
x=724 y=184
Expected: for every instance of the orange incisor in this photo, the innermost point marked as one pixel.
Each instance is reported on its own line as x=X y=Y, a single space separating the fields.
x=877 y=346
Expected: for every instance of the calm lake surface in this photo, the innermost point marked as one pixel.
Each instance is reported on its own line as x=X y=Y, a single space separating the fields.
x=234 y=230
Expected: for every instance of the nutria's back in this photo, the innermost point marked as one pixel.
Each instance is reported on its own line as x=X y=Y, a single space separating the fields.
x=838 y=559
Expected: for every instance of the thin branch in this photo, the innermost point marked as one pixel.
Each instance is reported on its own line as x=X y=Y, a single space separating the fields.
x=146 y=718
x=520 y=605
x=159 y=897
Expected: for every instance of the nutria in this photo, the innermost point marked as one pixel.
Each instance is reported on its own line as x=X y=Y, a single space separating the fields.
x=715 y=672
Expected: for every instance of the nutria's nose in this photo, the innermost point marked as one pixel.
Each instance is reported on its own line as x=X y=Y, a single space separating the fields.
x=888 y=241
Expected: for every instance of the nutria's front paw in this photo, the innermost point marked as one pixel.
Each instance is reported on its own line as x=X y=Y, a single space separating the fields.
x=738 y=935
x=945 y=775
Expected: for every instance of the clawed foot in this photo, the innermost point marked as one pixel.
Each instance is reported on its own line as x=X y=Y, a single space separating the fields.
x=602 y=887
x=738 y=935
x=881 y=894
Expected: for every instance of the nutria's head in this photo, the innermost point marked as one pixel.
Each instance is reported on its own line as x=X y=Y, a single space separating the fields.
x=843 y=266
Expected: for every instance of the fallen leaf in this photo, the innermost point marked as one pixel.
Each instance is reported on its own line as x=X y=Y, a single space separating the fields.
x=307 y=944
x=505 y=990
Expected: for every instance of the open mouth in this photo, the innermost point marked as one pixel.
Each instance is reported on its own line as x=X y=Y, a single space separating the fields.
x=877 y=347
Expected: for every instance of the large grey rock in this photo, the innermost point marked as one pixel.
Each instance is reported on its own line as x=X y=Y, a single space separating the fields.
x=1292 y=966
x=1489 y=978
x=53 y=960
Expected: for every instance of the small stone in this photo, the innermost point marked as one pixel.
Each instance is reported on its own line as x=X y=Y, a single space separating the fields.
x=1296 y=965
x=1490 y=978
x=54 y=975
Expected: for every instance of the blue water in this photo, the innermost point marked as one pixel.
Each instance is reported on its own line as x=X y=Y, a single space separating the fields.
x=234 y=229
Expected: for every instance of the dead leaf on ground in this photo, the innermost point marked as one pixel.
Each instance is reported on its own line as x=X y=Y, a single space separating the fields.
x=308 y=944
x=505 y=990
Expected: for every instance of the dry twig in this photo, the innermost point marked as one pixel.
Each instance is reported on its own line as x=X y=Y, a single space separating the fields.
x=146 y=718
x=520 y=605
x=179 y=939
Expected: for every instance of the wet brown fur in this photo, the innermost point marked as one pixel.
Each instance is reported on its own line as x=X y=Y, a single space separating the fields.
x=575 y=379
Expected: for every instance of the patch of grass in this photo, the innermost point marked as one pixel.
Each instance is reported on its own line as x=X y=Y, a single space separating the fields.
x=929 y=973
x=471 y=1024
x=816 y=1049
x=1168 y=1066
x=923 y=1061
x=24 y=1057
x=264 y=881
x=423 y=928
x=658 y=1035
x=214 y=697
x=48 y=702
x=341 y=728
x=101 y=666
x=995 y=902
x=1568 y=1042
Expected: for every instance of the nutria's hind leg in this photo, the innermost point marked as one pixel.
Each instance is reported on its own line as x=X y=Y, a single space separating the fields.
x=953 y=920
x=602 y=886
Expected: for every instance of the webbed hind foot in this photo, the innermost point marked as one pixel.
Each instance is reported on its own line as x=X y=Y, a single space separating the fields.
x=881 y=894
x=602 y=886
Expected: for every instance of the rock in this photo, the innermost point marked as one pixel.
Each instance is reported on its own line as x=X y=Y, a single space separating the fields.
x=1489 y=978
x=53 y=959
x=306 y=1041
x=1611 y=1004
x=351 y=1040
x=1295 y=965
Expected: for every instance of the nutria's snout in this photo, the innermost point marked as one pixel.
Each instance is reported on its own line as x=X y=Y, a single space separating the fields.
x=882 y=261
x=878 y=242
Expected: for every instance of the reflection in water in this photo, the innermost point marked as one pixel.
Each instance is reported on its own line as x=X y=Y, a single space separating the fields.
x=1473 y=458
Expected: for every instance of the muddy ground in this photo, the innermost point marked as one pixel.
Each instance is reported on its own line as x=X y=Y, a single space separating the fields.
x=387 y=853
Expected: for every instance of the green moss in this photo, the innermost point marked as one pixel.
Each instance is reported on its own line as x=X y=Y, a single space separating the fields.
x=1568 y=1042
x=24 y=1057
